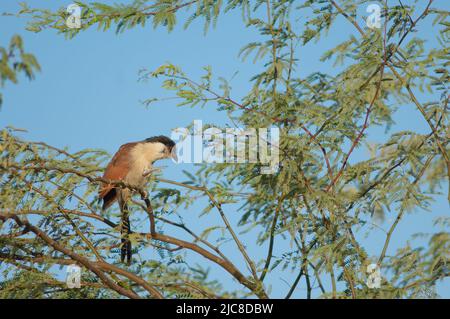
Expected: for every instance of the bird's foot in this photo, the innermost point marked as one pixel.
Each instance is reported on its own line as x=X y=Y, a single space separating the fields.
x=149 y=171
x=144 y=195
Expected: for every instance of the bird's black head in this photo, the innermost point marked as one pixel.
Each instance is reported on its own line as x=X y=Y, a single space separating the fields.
x=167 y=148
x=161 y=139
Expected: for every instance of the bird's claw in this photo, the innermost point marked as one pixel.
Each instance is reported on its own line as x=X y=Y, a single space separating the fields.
x=149 y=171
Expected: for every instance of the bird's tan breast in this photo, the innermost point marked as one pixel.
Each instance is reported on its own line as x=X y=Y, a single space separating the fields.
x=141 y=158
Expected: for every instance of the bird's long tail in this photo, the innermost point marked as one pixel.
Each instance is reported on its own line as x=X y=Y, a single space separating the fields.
x=125 y=231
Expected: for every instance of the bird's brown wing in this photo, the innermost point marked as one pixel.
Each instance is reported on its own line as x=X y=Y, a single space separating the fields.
x=117 y=169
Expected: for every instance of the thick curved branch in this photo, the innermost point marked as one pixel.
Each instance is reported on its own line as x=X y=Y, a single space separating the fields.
x=95 y=267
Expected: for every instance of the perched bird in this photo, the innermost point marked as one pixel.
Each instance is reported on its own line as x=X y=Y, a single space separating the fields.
x=131 y=164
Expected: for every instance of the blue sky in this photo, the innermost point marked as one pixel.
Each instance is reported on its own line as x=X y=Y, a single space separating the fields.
x=88 y=96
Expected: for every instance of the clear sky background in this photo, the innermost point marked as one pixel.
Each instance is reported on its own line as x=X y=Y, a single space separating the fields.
x=88 y=96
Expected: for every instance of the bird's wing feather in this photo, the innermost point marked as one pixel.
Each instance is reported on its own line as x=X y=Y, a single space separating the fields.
x=117 y=169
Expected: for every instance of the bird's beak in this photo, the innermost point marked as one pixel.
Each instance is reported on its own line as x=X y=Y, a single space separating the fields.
x=173 y=154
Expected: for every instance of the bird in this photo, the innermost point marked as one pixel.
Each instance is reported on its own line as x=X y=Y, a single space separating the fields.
x=131 y=164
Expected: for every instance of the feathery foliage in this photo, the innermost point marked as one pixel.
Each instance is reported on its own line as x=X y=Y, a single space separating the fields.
x=319 y=198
